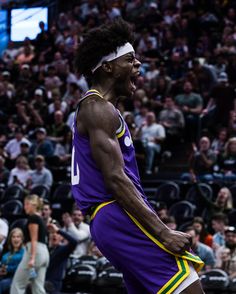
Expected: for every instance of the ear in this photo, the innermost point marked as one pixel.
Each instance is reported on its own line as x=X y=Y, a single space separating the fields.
x=107 y=67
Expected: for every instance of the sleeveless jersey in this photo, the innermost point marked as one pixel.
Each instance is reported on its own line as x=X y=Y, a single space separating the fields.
x=88 y=187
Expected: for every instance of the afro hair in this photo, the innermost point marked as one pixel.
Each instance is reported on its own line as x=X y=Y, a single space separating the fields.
x=100 y=42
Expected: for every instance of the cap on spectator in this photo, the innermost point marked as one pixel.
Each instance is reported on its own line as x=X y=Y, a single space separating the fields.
x=25 y=143
x=230 y=229
x=153 y=5
x=41 y=130
x=6 y=73
x=38 y=92
x=39 y=158
x=25 y=66
x=223 y=77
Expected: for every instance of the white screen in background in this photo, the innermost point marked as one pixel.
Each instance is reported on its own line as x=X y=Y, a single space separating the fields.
x=25 y=22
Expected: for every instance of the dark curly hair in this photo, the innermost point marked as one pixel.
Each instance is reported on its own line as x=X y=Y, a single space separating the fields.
x=100 y=42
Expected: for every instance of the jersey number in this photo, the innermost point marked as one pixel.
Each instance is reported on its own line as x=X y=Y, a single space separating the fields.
x=74 y=169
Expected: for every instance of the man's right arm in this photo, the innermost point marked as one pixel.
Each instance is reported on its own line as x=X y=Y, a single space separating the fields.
x=101 y=121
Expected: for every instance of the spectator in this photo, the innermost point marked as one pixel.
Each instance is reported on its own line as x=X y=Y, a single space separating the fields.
x=11 y=259
x=47 y=212
x=161 y=210
x=203 y=251
x=13 y=146
x=3 y=232
x=4 y=172
x=36 y=255
x=227 y=253
x=152 y=135
x=63 y=149
x=200 y=226
x=74 y=224
x=41 y=175
x=218 y=222
x=226 y=165
x=173 y=121
x=21 y=173
x=170 y=222
x=218 y=144
x=58 y=251
x=201 y=162
x=42 y=146
x=58 y=129
x=191 y=105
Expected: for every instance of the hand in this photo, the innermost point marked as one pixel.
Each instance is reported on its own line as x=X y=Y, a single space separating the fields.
x=52 y=228
x=3 y=270
x=31 y=262
x=175 y=241
x=67 y=219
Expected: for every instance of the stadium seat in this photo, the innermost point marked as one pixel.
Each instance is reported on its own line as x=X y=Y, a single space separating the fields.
x=182 y=211
x=19 y=223
x=215 y=280
x=13 y=192
x=62 y=200
x=167 y=192
x=11 y=208
x=41 y=190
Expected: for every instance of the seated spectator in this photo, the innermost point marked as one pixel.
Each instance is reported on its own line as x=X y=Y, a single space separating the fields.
x=151 y=135
x=13 y=146
x=200 y=226
x=74 y=224
x=20 y=174
x=191 y=105
x=47 y=212
x=25 y=151
x=173 y=121
x=201 y=162
x=42 y=146
x=226 y=164
x=3 y=232
x=4 y=172
x=58 y=129
x=40 y=175
x=203 y=251
x=227 y=253
x=223 y=202
x=58 y=252
x=219 y=221
x=63 y=149
x=11 y=259
x=218 y=144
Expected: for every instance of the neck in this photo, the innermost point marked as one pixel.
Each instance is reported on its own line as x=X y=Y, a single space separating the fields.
x=106 y=89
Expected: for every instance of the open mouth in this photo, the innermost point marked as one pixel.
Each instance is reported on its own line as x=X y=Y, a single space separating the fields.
x=133 y=79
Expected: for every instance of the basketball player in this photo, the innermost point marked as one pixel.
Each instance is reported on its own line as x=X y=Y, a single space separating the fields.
x=105 y=179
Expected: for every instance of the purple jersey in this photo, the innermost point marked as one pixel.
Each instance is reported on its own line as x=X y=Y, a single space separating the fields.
x=88 y=186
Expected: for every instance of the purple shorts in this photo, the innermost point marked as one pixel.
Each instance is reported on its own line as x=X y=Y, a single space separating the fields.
x=147 y=266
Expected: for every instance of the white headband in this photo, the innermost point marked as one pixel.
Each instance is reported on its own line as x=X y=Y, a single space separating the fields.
x=127 y=48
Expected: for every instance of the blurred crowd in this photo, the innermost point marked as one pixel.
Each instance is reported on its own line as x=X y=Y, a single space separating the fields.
x=185 y=96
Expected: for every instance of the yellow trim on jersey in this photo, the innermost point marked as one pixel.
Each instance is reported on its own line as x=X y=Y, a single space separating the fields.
x=121 y=133
x=99 y=207
x=189 y=256
x=89 y=94
x=181 y=260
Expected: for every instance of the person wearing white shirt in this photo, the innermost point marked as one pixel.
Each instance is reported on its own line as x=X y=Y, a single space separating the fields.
x=13 y=146
x=4 y=228
x=76 y=227
x=20 y=174
x=152 y=135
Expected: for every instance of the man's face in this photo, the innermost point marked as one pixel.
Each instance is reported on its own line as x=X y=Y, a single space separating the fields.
x=46 y=213
x=195 y=237
x=125 y=72
x=77 y=217
x=54 y=239
x=188 y=87
x=230 y=240
x=217 y=226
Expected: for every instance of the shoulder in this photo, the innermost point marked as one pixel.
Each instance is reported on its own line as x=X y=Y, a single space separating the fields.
x=98 y=113
x=34 y=218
